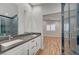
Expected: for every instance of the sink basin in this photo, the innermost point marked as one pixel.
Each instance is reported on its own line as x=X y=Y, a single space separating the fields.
x=34 y=35
x=10 y=44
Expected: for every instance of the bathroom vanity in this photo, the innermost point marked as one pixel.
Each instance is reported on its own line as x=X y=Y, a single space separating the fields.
x=25 y=44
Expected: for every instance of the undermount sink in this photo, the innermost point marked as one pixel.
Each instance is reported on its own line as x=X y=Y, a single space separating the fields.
x=7 y=45
x=34 y=35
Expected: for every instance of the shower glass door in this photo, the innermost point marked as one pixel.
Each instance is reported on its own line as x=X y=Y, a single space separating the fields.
x=69 y=28
x=66 y=29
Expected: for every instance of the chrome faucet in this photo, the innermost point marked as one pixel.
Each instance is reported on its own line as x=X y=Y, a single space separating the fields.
x=10 y=37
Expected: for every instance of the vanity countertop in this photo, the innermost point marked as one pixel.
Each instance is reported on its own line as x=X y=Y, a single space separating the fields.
x=24 y=37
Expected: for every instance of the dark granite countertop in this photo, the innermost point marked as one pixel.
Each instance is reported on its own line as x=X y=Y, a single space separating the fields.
x=25 y=37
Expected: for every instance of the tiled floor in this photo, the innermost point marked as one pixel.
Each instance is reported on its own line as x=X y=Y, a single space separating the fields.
x=51 y=46
x=69 y=47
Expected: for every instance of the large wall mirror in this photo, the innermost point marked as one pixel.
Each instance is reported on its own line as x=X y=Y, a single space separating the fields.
x=8 y=25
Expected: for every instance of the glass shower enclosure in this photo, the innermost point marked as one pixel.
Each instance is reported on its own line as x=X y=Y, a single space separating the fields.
x=69 y=27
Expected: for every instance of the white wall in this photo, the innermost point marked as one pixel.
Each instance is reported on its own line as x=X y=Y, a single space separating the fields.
x=37 y=19
x=20 y=19
x=28 y=18
x=24 y=18
x=8 y=9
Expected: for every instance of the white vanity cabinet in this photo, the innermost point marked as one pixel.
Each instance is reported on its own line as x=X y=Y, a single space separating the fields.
x=28 y=48
x=19 y=50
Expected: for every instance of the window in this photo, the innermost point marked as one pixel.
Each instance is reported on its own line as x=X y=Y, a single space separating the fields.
x=50 y=27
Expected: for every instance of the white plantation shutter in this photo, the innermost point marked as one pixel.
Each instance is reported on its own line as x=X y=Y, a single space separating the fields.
x=53 y=27
x=48 y=27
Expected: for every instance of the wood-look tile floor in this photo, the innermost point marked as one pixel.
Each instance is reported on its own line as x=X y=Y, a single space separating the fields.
x=51 y=46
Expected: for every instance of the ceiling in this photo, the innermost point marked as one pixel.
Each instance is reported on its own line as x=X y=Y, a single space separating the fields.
x=34 y=4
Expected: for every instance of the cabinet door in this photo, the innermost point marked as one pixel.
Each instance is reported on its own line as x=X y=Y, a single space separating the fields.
x=38 y=39
x=32 y=46
x=38 y=44
x=23 y=49
x=26 y=49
